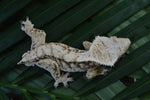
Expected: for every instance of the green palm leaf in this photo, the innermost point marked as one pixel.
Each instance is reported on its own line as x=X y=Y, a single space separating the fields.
x=137 y=88
x=128 y=63
x=72 y=22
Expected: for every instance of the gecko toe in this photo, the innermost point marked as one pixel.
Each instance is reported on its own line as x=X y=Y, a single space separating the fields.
x=66 y=84
x=70 y=79
x=56 y=84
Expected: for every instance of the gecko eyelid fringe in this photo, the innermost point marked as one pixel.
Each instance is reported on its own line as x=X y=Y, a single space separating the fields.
x=57 y=57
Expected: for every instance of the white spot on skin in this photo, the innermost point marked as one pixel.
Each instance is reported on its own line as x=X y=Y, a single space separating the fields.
x=73 y=65
x=82 y=65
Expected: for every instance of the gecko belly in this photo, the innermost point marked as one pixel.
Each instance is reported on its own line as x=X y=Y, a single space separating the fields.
x=66 y=66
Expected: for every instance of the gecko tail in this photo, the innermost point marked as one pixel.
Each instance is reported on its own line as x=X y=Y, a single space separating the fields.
x=26 y=25
x=37 y=35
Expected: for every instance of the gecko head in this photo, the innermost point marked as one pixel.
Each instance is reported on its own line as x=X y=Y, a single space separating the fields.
x=123 y=44
x=26 y=25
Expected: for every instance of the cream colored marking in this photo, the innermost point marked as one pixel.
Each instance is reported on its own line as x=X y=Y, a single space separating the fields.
x=52 y=54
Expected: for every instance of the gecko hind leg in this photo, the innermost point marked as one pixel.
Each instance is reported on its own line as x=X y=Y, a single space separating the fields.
x=52 y=67
x=95 y=71
x=63 y=79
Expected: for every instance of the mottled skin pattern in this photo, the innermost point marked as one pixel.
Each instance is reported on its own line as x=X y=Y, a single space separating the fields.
x=53 y=57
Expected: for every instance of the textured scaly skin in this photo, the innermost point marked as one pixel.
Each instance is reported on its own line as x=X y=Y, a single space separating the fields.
x=54 y=57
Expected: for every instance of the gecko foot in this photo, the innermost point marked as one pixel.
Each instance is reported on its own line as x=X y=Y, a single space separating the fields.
x=63 y=79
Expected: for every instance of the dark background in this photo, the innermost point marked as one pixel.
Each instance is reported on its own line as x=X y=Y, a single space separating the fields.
x=71 y=22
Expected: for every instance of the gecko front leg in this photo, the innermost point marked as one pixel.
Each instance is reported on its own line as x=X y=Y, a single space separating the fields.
x=54 y=69
x=95 y=71
x=87 y=45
